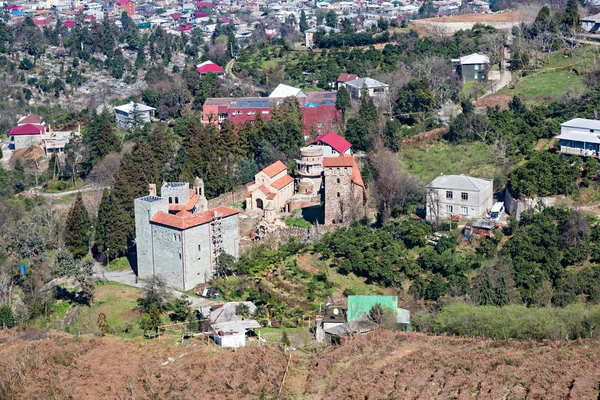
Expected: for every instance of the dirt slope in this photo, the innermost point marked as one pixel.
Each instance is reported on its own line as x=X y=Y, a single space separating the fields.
x=381 y=365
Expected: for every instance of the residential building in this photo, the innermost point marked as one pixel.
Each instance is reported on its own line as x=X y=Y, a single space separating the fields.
x=343 y=78
x=124 y=114
x=472 y=67
x=374 y=87
x=229 y=328
x=359 y=308
x=332 y=144
x=26 y=135
x=309 y=34
x=344 y=192
x=591 y=23
x=31 y=119
x=208 y=67
x=458 y=195
x=580 y=137
x=271 y=190
x=179 y=238
x=125 y=5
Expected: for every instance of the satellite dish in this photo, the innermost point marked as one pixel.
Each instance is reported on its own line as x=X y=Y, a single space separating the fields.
x=336 y=311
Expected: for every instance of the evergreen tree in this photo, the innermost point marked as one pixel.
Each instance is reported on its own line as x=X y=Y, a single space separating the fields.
x=104 y=211
x=85 y=278
x=342 y=100
x=303 y=23
x=100 y=137
x=571 y=16
x=140 y=59
x=77 y=225
x=118 y=64
x=331 y=19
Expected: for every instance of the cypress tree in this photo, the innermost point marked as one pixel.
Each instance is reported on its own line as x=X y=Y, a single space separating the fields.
x=78 y=222
x=303 y=22
x=342 y=100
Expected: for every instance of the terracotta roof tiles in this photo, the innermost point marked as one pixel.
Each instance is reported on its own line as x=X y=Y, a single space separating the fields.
x=274 y=168
x=185 y=220
x=282 y=182
x=345 y=161
x=187 y=206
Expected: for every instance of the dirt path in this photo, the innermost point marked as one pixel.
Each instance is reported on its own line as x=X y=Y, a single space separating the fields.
x=85 y=189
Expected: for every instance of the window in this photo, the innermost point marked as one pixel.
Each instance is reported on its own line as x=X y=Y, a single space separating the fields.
x=449 y=209
x=476 y=67
x=449 y=194
x=170 y=200
x=338 y=180
x=464 y=210
x=199 y=247
x=338 y=194
x=464 y=196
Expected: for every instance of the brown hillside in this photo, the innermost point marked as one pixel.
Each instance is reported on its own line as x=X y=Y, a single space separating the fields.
x=381 y=365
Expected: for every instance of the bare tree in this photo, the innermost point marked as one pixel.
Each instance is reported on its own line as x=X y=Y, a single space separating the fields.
x=393 y=186
x=433 y=206
x=396 y=80
x=491 y=45
x=501 y=144
x=103 y=172
x=6 y=287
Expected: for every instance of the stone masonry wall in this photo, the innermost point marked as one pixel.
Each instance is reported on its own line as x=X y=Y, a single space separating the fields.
x=228 y=198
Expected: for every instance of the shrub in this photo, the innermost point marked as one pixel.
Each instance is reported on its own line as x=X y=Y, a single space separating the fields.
x=7 y=319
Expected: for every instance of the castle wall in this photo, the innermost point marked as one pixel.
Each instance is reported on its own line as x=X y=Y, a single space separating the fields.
x=145 y=209
x=168 y=255
x=338 y=194
x=198 y=262
x=176 y=190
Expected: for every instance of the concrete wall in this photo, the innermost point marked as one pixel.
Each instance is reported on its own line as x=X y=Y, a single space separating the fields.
x=516 y=206
x=235 y=340
x=25 y=141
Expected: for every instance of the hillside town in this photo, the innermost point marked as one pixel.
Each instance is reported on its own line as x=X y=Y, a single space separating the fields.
x=327 y=199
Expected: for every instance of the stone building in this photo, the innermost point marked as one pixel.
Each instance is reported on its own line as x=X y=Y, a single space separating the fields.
x=179 y=238
x=344 y=192
x=271 y=189
x=310 y=170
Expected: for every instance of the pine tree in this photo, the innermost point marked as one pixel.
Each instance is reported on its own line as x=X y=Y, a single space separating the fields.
x=77 y=225
x=85 y=278
x=100 y=137
x=571 y=17
x=303 y=23
x=104 y=211
x=342 y=100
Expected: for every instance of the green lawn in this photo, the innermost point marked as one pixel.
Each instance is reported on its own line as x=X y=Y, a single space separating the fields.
x=119 y=264
x=559 y=76
x=429 y=160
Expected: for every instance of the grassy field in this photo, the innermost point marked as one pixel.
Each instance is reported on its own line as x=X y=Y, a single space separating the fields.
x=429 y=160
x=558 y=77
x=119 y=264
x=119 y=303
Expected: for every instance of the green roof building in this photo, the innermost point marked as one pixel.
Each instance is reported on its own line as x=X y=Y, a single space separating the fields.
x=359 y=307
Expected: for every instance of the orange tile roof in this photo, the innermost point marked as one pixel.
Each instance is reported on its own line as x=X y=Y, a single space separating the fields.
x=187 y=206
x=345 y=161
x=271 y=196
x=274 y=168
x=264 y=189
x=282 y=182
x=184 y=219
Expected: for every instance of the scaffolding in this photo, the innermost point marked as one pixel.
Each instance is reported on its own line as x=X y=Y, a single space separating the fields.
x=217 y=236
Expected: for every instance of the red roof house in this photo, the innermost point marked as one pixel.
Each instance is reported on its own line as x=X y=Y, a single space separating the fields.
x=337 y=144
x=27 y=129
x=69 y=23
x=208 y=67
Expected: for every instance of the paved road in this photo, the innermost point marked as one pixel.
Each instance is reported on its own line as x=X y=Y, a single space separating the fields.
x=127 y=277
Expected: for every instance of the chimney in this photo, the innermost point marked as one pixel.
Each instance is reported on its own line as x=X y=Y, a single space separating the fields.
x=152 y=189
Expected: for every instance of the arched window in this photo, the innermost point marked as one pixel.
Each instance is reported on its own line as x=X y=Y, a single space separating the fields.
x=338 y=180
x=176 y=200
x=338 y=194
x=170 y=200
x=259 y=203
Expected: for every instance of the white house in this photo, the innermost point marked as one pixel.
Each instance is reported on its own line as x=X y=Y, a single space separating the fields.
x=580 y=137
x=374 y=87
x=458 y=195
x=124 y=113
x=229 y=329
x=473 y=67
x=591 y=23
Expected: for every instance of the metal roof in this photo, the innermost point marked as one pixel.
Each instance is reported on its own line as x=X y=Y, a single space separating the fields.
x=369 y=82
x=283 y=90
x=128 y=108
x=360 y=306
x=579 y=137
x=582 y=123
x=474 y=58
x=459 y=182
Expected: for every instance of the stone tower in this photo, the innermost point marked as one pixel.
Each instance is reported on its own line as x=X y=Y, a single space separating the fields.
x=146 y=208
x=202 y=204
x=176 y=192
x=310 y=169
x=337 y=193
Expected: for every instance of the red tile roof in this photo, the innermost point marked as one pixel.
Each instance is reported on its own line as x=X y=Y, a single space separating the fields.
x=185 y=220
x=31 y=119
x=28 y=129
x=334 y=140
x=345 y=161
x=274 y=168
x=282 y=182
x=271 y=196
x=347 y=77
x=210 y=67
x=187 y=206
x=69 y=23
x=176 y=16
x=264 y=189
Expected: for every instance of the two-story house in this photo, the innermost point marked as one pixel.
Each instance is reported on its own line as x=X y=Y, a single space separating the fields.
x=580 y=137
x=458 y=195
x=473 y=67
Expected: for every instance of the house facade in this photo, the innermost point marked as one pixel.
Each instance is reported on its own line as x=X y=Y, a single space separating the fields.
x=179 y=238
x=458 y=195
x=332 y=145
x=374 y=87
x=473 y=67
x=26 y=135
x=124 y=113
x=580 y=137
